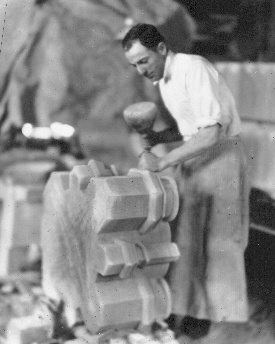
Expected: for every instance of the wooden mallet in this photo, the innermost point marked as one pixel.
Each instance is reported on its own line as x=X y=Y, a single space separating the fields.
x=141 y=117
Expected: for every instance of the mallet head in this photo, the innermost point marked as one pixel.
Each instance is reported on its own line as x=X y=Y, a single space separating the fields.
x=141 y=116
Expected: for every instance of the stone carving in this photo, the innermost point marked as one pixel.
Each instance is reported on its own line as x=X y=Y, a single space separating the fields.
x=106 y=245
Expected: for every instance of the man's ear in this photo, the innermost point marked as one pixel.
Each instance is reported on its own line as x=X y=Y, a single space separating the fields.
x=162 y=49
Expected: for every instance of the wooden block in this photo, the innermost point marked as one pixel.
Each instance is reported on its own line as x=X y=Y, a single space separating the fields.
x=27 y=330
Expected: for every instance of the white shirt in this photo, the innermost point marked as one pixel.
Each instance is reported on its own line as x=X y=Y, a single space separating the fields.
x=196 y=95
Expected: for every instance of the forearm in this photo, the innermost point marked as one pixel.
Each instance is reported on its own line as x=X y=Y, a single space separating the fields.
x=169 y=135
x=198 y=144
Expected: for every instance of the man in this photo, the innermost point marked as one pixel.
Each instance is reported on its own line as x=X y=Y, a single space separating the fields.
x=208 y=281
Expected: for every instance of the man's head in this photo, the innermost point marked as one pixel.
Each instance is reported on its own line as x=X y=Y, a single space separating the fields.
x=146 y=50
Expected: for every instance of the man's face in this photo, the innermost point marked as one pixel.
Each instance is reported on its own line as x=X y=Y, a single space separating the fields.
x=148 y=63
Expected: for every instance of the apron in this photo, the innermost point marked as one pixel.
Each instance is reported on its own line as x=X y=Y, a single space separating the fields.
x=211 y=230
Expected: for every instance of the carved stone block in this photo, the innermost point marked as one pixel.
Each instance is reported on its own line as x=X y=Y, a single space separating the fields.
x=107 y=244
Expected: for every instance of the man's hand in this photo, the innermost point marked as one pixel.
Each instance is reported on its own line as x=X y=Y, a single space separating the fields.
x=149 y=161
x=151 y=138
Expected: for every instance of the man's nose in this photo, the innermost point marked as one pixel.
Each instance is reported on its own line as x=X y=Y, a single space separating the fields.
x=141 y=70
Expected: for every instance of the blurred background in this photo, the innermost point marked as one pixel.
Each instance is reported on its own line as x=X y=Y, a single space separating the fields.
x=64 y=83
x=63 y=62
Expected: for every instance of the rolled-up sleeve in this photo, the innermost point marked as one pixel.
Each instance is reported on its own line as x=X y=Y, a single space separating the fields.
x=203 y=90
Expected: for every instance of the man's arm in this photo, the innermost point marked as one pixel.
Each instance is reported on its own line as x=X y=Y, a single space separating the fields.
x=167 y=135
x=198 y=144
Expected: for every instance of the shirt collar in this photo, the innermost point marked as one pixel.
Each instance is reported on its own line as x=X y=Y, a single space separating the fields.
x=167 y=67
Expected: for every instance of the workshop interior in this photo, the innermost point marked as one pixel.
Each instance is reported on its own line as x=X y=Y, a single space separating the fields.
x=79 y=221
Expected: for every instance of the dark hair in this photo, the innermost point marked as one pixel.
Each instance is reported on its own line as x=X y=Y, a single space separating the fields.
x=147 y=34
